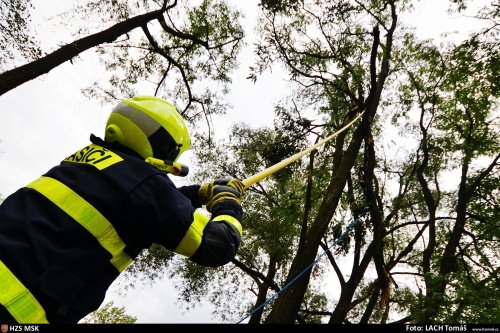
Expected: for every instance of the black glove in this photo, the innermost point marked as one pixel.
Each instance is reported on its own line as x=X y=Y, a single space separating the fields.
x=221 y=193
x=205 y=192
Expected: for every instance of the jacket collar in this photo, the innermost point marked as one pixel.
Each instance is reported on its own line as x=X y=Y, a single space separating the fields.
x=114 y=146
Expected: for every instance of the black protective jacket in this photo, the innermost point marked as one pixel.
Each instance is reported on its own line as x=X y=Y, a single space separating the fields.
x=64 y=266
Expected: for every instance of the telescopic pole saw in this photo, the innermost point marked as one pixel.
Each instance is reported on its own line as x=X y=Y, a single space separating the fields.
x=280 y=165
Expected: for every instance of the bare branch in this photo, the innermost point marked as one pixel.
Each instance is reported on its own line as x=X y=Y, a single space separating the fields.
x=333 y=263
x=273 y=285
x=180 y=34
x=162 y=79
x=162 y=52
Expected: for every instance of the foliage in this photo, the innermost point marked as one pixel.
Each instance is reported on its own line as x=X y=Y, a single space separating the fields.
x=109 y=314
x=16 y=40
x=181 y=55
x=426 y=252
x=181 y=51
x=423 y=162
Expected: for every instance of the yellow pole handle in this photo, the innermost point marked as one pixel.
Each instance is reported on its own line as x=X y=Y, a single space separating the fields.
x=280 y=165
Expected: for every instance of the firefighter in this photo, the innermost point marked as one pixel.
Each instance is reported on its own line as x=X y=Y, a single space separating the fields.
x=65 y=237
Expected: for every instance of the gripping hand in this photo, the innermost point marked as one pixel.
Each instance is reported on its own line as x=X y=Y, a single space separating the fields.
x=222 y=193
x=205 y=193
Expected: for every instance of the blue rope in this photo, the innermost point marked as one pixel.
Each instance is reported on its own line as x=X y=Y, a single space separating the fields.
x=336 y=242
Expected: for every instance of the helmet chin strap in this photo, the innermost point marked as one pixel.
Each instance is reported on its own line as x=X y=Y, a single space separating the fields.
x=175 y=168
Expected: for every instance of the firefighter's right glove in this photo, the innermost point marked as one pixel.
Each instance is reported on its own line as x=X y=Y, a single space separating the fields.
x=222 y=193
x=205 y=193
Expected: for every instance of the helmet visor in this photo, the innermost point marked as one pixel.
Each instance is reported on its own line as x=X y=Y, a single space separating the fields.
x=164 y=146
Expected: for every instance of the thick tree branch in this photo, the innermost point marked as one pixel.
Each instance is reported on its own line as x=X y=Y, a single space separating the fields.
x=375 y=294
x=402 y=225
x=263 y=289
x=19 y=75
x=407 y=249
x=472 y=187
x=273 y=285
x=180 y=34
x=334 y=264
x=307 y=203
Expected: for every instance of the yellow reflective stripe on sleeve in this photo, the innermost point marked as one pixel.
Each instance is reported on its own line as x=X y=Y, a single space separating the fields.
x=231 y=220
x=85 y=214
x=18 y=300
x=192 y=239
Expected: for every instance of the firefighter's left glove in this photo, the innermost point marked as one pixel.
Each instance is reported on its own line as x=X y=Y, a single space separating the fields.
x=205 y=192
x=223 y=193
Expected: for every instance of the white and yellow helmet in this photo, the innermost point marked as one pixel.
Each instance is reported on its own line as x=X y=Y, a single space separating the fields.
x=149 y=126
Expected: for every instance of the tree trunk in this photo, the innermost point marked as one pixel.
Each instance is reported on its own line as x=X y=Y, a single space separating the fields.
x=287 y=306
x=376 y=217
x=370 y=306
x=435 y=297
x=344 y=304
x=263 y=289
x=435 y=289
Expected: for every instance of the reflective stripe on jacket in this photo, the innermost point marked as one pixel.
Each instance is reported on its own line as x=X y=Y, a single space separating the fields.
x=67 y=235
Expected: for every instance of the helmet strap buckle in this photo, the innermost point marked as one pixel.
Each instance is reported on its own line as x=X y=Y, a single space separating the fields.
x=174 y=168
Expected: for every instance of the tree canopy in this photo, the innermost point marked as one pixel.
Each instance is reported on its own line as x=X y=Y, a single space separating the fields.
x=147 y=41
x=419 y=172
x=417 y=253
x=16 y=37
x=109 y=314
